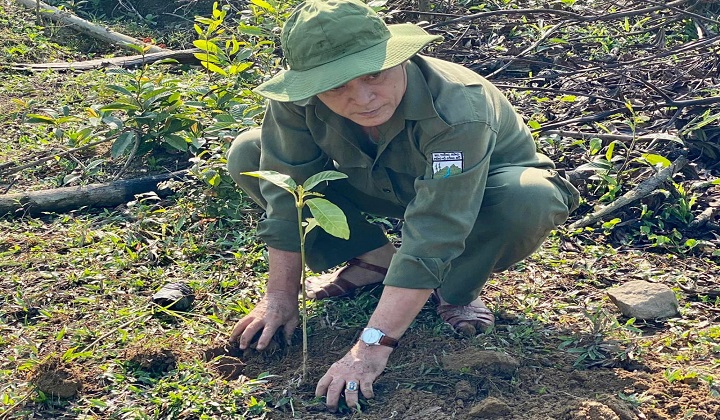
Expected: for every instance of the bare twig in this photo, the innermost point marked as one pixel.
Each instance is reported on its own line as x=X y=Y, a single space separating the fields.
x=528 y=49
x=131 y=156
x=53 y=156
x=570 y=15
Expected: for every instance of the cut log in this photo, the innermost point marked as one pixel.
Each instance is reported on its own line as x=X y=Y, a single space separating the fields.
x=182 y=56
x=71 y=198
x=82 y=25
x=641 y=190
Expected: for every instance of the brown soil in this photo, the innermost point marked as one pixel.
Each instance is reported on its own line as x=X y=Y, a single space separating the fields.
x=155 y=356
x=56 y=379
x=454 y=377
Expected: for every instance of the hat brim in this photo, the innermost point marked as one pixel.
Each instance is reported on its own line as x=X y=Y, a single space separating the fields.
x=290 y=85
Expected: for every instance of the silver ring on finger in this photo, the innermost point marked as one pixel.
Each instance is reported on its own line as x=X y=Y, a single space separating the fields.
x=351 y=386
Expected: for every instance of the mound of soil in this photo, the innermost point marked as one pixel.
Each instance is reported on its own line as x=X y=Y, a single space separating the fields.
x=56 y=379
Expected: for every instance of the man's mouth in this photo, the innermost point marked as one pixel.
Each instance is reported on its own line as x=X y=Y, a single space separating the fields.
x=371 y=113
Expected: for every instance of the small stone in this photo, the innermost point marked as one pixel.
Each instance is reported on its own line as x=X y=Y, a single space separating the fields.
x=490 y=408
x=644 y=300
x=590 y=410
x=481 y=361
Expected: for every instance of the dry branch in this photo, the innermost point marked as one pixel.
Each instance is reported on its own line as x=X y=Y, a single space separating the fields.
x=641 y=190
x=182 y=56
x=82 y=25
x=558 y=12
x=4 y=173
x=72 y=198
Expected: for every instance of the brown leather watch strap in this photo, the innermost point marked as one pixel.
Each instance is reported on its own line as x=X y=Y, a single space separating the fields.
x=388 y=341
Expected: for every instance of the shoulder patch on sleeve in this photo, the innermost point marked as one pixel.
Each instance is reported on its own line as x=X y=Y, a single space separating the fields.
x=446 y=164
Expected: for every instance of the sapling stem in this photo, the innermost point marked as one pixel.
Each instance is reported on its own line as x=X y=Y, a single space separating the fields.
x=325 y=214
x=299 y=204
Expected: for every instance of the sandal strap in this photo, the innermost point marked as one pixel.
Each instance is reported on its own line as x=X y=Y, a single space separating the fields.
x=368 y=266
x=344 y=286
x=475 y=315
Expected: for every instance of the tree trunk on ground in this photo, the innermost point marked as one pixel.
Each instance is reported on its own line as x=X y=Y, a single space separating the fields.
x=81 y=25
x=182 y=56
x=72 y=198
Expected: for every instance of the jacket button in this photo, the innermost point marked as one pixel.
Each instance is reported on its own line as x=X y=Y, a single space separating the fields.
x=386 y=190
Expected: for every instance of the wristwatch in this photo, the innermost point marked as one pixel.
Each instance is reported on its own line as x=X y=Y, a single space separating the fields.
x=374 y=337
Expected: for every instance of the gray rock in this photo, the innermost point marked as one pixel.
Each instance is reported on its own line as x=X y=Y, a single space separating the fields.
x=644 y=300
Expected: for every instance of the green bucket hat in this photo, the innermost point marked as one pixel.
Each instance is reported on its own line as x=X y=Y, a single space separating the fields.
x=327 y=43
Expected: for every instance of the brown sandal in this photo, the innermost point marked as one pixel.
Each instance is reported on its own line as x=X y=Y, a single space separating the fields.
x=342 y=287
x=465 y=319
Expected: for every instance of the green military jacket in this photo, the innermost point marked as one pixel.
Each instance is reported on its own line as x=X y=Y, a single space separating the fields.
x=450 y=131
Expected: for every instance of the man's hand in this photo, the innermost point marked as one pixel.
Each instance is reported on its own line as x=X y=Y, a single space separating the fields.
x=275 y=310
x=362 y=364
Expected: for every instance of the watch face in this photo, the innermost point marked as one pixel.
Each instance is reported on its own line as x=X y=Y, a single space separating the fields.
x=371 y=336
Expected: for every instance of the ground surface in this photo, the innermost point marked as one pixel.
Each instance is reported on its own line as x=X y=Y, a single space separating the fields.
x=78 y=338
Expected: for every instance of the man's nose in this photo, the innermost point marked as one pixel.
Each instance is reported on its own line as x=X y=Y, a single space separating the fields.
x=361 y=93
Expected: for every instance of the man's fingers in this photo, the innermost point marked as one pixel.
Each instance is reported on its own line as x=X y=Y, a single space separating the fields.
x=267 y=335
x=366 y=386
x=290 y=329
x=333 y=394
x=322 y=386
x=249 y=333
x=352 y=393
x=240 y=328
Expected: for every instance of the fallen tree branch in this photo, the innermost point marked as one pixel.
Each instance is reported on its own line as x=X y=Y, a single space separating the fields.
x=82 y=25
x=641 y=190
x=612 y=137
x=703 y=218
x=72 y=198
x=182 y=56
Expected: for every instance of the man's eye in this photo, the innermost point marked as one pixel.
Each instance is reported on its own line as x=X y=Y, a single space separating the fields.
x=374 y=75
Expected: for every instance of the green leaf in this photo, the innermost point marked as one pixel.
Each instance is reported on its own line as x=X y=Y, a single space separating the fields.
x=176 y=142
x=310 y=225
x=208 y=46
x=715 y=182
x=239 y=68
x=205 y=57
x=595 y=166
x=120 y=89
x=655 y=160
x=311 y=182
x=263 y=5
x=120 y=106
x=281 y=180
x=610 y=150
x=249 y=30
x=122 y=143
x=213 y=68
x=138 y=48
x=329 y=217
x=166 y=61
x=40 y=119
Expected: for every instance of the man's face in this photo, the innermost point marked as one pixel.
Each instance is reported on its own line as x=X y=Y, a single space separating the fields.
x=368 y=100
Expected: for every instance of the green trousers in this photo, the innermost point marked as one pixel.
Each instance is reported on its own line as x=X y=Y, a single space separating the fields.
x=521 y=206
